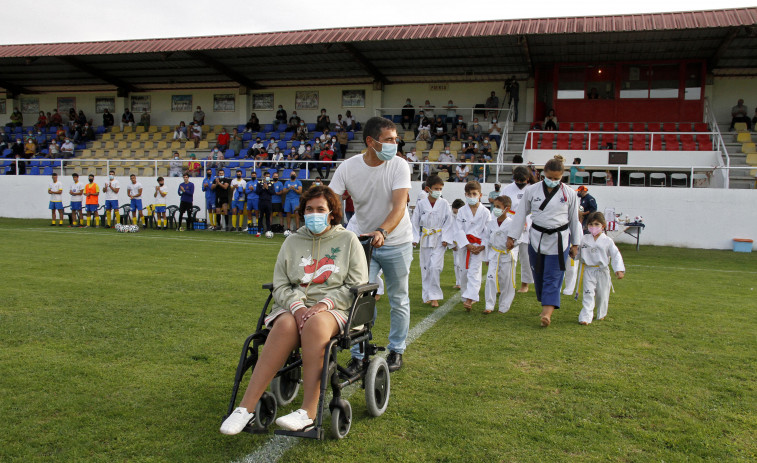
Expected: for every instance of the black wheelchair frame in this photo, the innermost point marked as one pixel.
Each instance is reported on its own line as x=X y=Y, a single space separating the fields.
x=374 y=373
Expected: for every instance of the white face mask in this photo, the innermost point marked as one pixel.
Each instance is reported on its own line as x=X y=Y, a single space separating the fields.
x=472 y=201
x=436 y=194
x=496 y=212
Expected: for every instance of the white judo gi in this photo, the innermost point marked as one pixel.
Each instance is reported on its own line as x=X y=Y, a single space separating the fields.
x=501 y=275
x=516 y=194
x=571 y=274
x=432 y=225
x=596 y=256
x=470 y=229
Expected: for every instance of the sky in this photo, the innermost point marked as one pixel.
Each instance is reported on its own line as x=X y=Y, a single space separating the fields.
x=53 y=21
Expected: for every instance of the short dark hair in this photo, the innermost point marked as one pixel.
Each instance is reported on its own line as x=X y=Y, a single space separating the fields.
x=472 y=186
x=505 y=200
x=375 y=125
x=521 y=174
x=458 y=203
x=317 y=191
x=596 y=217
x=160 y=179
x=112 y=172
x=434 y=180
x=74 y=174
x=132 y=175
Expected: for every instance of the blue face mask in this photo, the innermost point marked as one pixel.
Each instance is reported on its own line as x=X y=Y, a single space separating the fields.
x=551 y=183
x=317 y=222
x=388 y=151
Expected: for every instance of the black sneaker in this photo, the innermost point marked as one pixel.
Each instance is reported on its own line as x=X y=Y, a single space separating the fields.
x=394 y=361
x=354 y=366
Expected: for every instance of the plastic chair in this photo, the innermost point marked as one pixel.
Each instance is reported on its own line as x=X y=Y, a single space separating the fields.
x=637 y=179
x=599 y=178
x=658 y=179
x=582 y=178
x=679 y=180
x=743 y=137
x=740 y=127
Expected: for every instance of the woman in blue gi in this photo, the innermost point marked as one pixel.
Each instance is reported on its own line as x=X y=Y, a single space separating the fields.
x=555 y=233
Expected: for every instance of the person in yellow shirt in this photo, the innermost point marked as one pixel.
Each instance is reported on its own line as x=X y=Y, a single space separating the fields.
x=92 y=193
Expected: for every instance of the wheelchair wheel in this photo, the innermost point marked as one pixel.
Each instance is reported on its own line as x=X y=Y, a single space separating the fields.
x=265 y=412
x=285 y=387
x=377 y=386
x=341 y=418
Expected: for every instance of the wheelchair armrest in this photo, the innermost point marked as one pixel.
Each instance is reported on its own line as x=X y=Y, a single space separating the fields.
x=268 y=286
x=362 y=289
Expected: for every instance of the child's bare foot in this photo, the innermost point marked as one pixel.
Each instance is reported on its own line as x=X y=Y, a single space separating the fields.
x=456 y=287
x=523 y=288
x=583 y=323
x=467 y=305
x=434 y=303
x=545 y=320
x=487 y=312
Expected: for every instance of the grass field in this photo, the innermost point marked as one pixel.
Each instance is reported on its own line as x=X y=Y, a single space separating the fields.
x=122 y=347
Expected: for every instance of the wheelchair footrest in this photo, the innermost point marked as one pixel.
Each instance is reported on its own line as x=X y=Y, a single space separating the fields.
x=314 y=433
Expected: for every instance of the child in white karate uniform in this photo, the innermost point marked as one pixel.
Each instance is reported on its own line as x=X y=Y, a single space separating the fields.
x=597 y=252
x=471 y=235
x=458 y=254
x=501 y=275
x=432 y=228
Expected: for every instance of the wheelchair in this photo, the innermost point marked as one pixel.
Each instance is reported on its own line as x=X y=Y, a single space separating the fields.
x=373 y=373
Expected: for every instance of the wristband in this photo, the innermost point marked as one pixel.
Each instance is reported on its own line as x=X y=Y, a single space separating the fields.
x=382 y=231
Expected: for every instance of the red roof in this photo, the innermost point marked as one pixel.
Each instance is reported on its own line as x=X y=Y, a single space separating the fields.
x=620 y=23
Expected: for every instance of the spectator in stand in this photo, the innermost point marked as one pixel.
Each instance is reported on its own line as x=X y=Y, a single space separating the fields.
x=470 y=147
x=180 y=131
x=87 y=134
x=475 y=129
x=609 y=181
x=235 y=142
x=492 y=103
x=71 y=117
x=294 y=122
x=256 y=148
x=343 y=139
x=17 y=119
x=176 y=167
x=400 y=146
x=513 y=88
x=495 y=133
x=253 y=125
x=76 y=133
x=53 y=150
x=550 y=122
x=301 y=133
x=272 y=148
x=479 y=170
x=281 y=117
x=223 y=139
x=462 y=170
x=412 y=158
x=451 y=111
x=306 y=155
x=739 y=114
x=57 y=121
x=323 y=122
x=340 y=123
x=459 y=128
x=193 y=166
x=67 y=149
x=41 y=121
x=447 y=161
x=199 y=116
x=350 y=121
x=30 y=148
x=327 y=155
x=127 y=118
x=335 y=146
x=424 y=129
x=485 y=148
x=317 y=147
x=81 y=118
x=408 y=115
x=144 y=120
x=439 y=130
x=428 y=109
x=60 y=134
x=195 y=133
x=754 y=119
x=108 y=120
x=574 y=169
x=19 y=161
x=349 y=207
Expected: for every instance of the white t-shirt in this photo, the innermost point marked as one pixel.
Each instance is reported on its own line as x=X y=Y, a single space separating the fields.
x=160 y=199
x=134 y=188
x=110 y=195
x=371 y=190
x=56 y=187
x=77 y=187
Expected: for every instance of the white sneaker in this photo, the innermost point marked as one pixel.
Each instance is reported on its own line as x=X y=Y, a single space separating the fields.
x=295 y=421
x=236 y=421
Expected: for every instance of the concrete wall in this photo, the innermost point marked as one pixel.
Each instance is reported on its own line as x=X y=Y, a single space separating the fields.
x=695 y=218
x=692 y=218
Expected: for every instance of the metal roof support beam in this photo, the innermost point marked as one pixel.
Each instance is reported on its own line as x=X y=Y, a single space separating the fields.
x=104 y=76
x=232 y=74
x=14 y=89
x=366 y=64
x=523 y=41
x=712 y=63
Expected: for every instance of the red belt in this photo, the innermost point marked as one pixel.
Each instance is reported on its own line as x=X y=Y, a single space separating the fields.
x=474 y=240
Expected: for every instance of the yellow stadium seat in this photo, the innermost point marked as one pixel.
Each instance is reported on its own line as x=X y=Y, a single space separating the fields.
x=119 y=171
x=119 y=136
x=153 y=129
x=144 y=136
x=421 y=145
x=115 y=129
x=748 y=148
x=455 y=145
x=86 y=154
x=98 y=154
x=205 y=128
x=107 y=136
x=158 y=136
x=110 y=145
x=162 y=145
x=433 y=156
x=139 y=128
x=211 y=136
x=454 y=154
x=97 y=144
x=128 y=128
x=122 y=145
x=744 y=137
x=751 y=159
x=494 y=146
x=203 y=145
x=409 y=135
x=162 y=171
x=138 y=154
x=443 y=174
x=166 y=128
x=438 y=144
x=148 y=145
x=217 y=128
x=175 y=145
x=740 y=127
x=131 y=136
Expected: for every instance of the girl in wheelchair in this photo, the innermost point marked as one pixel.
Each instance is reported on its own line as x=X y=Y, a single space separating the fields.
x=314 y=271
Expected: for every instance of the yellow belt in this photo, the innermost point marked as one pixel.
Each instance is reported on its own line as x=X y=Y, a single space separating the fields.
x=430 y=231
x=581 y=278
x=512 y=265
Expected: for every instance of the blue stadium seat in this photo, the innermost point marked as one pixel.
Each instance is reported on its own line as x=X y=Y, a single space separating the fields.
x=47 y=171
x=232 y=165
x=281 y=127
x=316 y=135
x=226 y=172
x=310 y=127
x=244 y=172
x=17 y=130
x=229 y=154
x=248 y=164
x=35 y=163
x=287 y=136
x=243 y=152
x=350 y=136
x=286 y=173
x=52 y=130
x=246 y=136
x=282 y=145
x=259 y=172
x=7 y=152
x=268 y=128
x=272 y=170
x=241 y=127
x=397 y=118
x=296 y=144
x=388 y=116
x=6 y=170
x=303 y=174
x=34 y=171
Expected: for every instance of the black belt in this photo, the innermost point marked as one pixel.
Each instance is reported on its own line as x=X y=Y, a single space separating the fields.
x=560 y=248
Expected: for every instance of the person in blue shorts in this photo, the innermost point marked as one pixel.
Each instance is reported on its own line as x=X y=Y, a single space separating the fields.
x=210 y=198
x=55 y=190
x=238 y=201
x=293 y=190
x=277 y=202
x=111 y=189
x=252 y=199
x=134 y=190
x=77 y=194
x=161 y=191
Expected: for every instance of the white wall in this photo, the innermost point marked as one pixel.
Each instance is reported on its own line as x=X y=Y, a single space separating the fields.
x=705 y=218
x=638 y=158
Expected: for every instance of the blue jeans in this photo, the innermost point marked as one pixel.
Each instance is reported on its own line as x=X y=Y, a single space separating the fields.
x=395 y=262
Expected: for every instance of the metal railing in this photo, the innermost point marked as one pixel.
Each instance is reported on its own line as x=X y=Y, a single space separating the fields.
x=709 y=117
x=595 y=136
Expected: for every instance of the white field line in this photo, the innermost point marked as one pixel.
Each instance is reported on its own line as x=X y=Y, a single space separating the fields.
x=695 y=269
x=276 y=446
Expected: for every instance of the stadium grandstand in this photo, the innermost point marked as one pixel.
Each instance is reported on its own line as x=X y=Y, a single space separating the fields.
x=643 y=100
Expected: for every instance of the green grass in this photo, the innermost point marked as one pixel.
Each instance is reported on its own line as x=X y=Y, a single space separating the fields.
x=123 y=347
